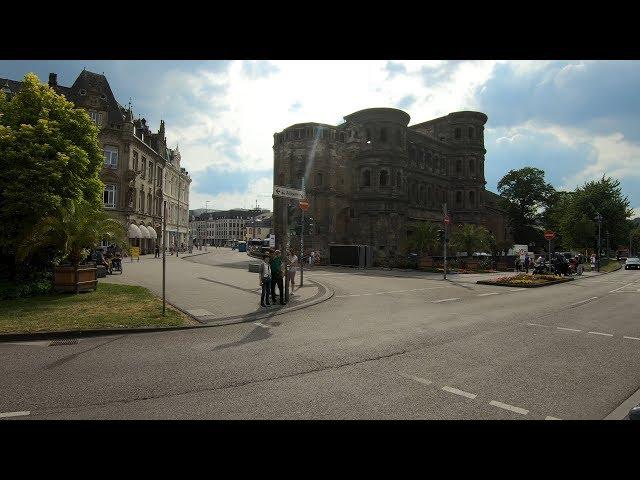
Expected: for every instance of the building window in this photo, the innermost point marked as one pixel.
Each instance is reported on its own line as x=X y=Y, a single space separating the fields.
x=110 y=157
x=398 y=180
x=398 y=138
x=458 y=167
x=458 y=198
x=422 y=195
x=458 y=133
x=109 y=196
x=429 y=162
x=368 y=135
x=412 y=155
x=383 y=135
x=318 y=179
x=341 y=137
x=470 y=132
x=143 y=171
x=366 y=178
x=472 y=166
x=150 y=171
x=135 y=160
x=352 y=213
x=472 y=199
x=384 y=178
x=96 y=117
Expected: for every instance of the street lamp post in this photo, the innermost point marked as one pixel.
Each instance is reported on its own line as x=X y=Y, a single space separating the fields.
x=178 y=222
x=599 y=218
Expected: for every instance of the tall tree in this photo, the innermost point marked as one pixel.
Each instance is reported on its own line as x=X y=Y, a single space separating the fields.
x=49 y=152
x=524 y=196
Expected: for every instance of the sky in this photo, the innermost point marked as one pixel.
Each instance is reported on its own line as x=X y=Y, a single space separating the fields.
x=576 y=120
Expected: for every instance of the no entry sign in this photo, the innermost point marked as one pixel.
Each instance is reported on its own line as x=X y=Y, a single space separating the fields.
x=447 y=219
x=304 y=205
x=549 y=235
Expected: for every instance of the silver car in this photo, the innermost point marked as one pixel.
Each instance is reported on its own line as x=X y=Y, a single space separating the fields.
x=632 y=262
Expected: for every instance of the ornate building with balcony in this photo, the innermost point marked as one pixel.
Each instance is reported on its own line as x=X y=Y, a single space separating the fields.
x=372 y=179
x=140 y=171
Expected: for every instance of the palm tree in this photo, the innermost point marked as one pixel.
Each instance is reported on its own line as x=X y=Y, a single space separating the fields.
x=424 y=239
x=71 y=229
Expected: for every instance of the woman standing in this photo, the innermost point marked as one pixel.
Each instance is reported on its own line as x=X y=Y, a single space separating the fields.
x=293 y=264
x=265 y=281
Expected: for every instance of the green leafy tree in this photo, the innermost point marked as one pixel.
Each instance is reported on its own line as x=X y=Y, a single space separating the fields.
x=424 y=239
x=71 y=230
x=634 y=238
x=470 y=238
x=49 y=152
x=524 y=196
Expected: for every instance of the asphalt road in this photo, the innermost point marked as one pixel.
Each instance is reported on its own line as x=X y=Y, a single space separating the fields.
x=384 y=347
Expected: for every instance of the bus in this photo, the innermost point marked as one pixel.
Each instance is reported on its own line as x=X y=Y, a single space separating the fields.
x=256 y=247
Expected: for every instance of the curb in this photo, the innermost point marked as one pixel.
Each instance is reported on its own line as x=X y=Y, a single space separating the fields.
x=195 y=255
x=326 y=294
x=622 y=411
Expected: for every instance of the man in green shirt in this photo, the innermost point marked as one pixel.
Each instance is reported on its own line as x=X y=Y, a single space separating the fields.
x=276 y=277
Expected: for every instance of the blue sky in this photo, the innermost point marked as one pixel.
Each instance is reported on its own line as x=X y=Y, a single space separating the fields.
x=577 y=120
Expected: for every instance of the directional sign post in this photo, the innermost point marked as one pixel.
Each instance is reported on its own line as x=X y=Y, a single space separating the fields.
x=279 y=191
x=446 y=224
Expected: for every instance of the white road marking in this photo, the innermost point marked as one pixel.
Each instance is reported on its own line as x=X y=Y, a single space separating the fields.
x=445 y=300
x=392 y=291
x=600 y=333
x=459 y=392
x=14 y=414
x=511 y=408
x=537 y=325
x=631 y=338
x=486 y=294
x=261 y=325
x=583 y=301
x=552 y=418
x=569 y=329
x=517 y=290
x=620 y=288
x=416 y=379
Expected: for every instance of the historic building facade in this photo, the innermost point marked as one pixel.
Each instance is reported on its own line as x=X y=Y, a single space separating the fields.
x=139 y=171
x=372 y=179
x=222 y=227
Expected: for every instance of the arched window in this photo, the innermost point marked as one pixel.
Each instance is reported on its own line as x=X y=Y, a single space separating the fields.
x=398 y=180
x=281 y=179
x=342 y=137
x=318 y=179
x=366 y=178
x=422 y=159
x=429 y=194
x=422 y=195
x=458 y=167
x=472 y=198
x=412 y=155
x=458 y=133
x=383 y=135
x=429 y=162
x=398 y=138
x=470 y=132
x=368 y=135
x=472 y=166
x=384 y=178
x=413 y=192
x=458 y=198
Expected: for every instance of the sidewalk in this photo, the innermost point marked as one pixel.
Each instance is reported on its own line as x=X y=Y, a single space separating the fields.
x=220 y=292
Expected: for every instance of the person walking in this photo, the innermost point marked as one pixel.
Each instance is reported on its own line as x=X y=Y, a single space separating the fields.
x=276 y=277
x=293 y=263
x=526 y=263
x=156 y=251
x=265 y=281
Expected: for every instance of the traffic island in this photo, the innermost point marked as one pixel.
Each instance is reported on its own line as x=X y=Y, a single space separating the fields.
x=526 y=281
x=110 y=307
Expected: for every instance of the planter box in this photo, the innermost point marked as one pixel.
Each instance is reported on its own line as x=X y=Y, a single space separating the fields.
x=530 y=285
x=425 y=262
x=472 y=265
x=75 y=280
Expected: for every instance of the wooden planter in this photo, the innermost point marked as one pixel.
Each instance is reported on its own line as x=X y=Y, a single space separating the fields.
x=425 y=262
x=71 y=279
x=472 y=265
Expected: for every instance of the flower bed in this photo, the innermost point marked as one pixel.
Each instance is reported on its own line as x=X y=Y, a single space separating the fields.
x=525 y=280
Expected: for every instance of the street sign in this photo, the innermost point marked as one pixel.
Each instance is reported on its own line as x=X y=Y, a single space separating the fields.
x=549 y=235
x=287 y=192
x=304 y=205
x=447 y=219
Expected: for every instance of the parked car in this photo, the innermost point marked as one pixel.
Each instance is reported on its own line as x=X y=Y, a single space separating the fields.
x=633 y=262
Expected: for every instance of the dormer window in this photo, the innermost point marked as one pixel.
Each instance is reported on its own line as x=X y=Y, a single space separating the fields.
x=96 y=117
x=83 y=92
x=103 y=97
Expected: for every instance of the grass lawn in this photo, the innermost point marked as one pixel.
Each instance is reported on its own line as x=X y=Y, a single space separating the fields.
x=110 y=306
x=610 y=267
x=524 y=280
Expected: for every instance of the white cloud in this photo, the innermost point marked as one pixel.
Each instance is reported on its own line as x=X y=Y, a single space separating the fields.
x=260 y=190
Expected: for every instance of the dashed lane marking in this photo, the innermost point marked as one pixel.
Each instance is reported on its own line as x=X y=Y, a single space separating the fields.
x=392 y=291
x=631 y=338
x=603 y=334
x=517 y=290
x=415 y=379
x=552 y=418
x=537 y=325
x=445 y=300
x=583 y=301
x=511 y=408
x=620 y=288
x=261 y=325
x=14 y=414
x=459 y=392
x=569 y=329
x=487 y=294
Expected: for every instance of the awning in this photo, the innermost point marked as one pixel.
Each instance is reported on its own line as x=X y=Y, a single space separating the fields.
x=134 y=231
x=152 y=232
x=145 y=232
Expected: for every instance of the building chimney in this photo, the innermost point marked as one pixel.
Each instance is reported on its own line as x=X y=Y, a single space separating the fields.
x=53 y=79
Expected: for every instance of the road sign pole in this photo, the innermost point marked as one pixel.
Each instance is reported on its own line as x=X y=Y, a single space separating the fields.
x=164 y=255
x=301 y=256
x=445 y=240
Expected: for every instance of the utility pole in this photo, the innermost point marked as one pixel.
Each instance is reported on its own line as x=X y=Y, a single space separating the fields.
x=446 y=222
x=178 y=224
x=301 y=256
x=206 y=224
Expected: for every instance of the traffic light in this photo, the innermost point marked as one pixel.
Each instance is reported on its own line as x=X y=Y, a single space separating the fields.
x=440 y=236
